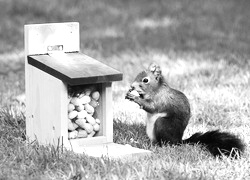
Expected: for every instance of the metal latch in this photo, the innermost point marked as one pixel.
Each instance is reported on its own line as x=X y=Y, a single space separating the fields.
x=55 y=48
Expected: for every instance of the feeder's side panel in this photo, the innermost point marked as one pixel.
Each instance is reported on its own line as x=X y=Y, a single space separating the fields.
x=107 y=111
x=46 y=108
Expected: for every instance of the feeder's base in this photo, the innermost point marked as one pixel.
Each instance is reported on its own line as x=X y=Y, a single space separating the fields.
x=111 y=150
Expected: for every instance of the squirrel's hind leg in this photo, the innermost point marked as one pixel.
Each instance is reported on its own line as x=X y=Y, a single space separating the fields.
x=166 y=131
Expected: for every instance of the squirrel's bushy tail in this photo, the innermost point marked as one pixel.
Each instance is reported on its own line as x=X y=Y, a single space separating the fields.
x=218 y=143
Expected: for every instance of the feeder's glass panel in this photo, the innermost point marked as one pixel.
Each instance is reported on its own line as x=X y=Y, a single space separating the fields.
x=84 y=111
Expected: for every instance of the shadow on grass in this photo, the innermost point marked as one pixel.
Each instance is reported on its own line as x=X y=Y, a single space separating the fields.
x=131 y=133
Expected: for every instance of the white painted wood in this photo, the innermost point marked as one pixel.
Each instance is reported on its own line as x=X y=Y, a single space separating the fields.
x=107 y=107
x=83 y=142
x=112 y=150
x=41 y=36
x=46 y=106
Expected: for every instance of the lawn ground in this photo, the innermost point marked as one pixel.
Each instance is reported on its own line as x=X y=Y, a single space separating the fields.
x=203 y=48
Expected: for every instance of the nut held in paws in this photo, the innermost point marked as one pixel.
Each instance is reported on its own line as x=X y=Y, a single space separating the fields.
x=135 y=93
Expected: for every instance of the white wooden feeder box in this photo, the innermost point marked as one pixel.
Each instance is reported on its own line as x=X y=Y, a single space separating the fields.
x=55 y=73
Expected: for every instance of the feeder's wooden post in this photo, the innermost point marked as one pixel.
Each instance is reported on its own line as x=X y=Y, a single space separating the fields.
x=42 y=89
x=107 y=111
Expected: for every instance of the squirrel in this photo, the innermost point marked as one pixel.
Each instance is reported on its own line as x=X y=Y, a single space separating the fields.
x=168 y=114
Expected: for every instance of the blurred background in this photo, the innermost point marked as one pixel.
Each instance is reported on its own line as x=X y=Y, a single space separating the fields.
x=183 y=36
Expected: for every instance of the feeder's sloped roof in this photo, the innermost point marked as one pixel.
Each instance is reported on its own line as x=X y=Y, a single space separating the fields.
x=74 y=68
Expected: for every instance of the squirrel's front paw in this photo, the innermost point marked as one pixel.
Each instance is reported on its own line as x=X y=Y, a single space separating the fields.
x=130 y=96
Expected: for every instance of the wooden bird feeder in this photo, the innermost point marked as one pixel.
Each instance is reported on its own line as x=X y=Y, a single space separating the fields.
x=59 y=80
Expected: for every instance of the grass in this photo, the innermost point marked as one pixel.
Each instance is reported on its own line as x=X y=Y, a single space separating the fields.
x=203 y=48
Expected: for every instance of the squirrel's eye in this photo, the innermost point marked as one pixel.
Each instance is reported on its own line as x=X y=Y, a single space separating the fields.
x=145 y=80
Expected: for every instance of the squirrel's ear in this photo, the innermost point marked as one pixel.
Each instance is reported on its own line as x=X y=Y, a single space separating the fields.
x=155 y=69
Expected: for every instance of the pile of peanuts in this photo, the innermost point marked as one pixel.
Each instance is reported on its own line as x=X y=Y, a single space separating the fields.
x=81 y=108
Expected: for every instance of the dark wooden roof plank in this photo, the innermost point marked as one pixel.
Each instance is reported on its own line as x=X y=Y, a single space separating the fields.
x=75 y=68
